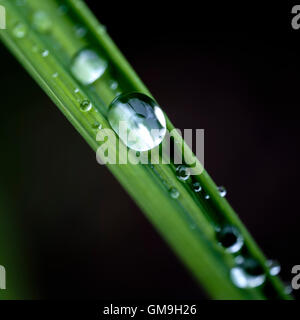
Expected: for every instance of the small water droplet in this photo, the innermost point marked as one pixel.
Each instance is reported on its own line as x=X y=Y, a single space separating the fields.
x=174 y=193
x=62 y=9
x=55 y=75
x=96 y=125
x=101 y=28
x=182 y=172
x=242 y=279
x=113 y=85
x=197 y=187
x=42 y=21
x=230 y=238
x=87 y=66
x=288 y=289
x=45 y=53
x=20 y=30
x=85 y=105
x=80 y=31
x=222 y=191
x=76 y=90
x=138 y=121
x=206 y=196
x=274 y=267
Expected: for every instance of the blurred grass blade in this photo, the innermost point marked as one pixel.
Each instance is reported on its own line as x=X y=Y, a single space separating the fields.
x=48 y=37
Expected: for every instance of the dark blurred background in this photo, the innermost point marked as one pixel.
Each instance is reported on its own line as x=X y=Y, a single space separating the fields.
x=231 y=71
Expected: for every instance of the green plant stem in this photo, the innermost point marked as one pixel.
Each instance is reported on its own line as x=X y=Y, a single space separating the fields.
x=149 y=187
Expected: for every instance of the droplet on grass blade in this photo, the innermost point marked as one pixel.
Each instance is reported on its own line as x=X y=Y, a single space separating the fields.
x=182 y=172
x=244 y=280
x=85 y=105
x=230 y=238
x=42 y=22
x=197 y=187
x=80 y=31
x=138 y=121
x=20 y=30
x=45 y=53
x=274 y=267
x=222 y=191
x=87 y=66
x=174 y=193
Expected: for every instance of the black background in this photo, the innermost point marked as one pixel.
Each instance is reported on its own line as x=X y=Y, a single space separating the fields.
x=231 y=70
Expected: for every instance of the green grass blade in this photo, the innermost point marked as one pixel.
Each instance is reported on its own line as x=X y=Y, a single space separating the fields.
x=188 y=222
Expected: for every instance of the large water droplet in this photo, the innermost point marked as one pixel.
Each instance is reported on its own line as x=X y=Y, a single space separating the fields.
x=274 y=267
x=230 y=238
x=85 y=105
x=174 y=193
x=138 y=120
x=20 y=30
x=87 y=66
x=248 y=274
x=42 y=21
x=222 y=191
x=182 y=172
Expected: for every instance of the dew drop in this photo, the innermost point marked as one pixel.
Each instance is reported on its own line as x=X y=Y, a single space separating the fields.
x=174 y=193
x=101 y=28
x=206 y=196
x=288 y=289
x=230 y=238
x=274 y=267
x=20 y=30
x=80 y=31
x=55 y=75
x=247 y=274
x=76 y=90
x=85 y=105
x=197 y=187
x=222 y=191
x=113 y=85
x=45 y=53
x=62 y=9
x=243 y=280
x=182 y=172
x=138 y=121
x=87 y=66
x=96 y=125
x=42 y=22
